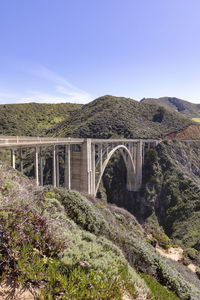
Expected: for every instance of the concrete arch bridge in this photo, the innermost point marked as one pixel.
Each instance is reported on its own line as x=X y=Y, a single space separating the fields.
x=85 y=160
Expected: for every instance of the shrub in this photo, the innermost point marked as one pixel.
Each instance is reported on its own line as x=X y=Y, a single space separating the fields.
x=158 y=291
x=139 y=253
x=25 y=235
x=162 y=239
x=30 y=254
x=192 y=254
x=81 y=211
x=198 y=272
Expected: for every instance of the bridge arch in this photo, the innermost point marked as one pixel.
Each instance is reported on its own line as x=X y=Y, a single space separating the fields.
x=129 y=163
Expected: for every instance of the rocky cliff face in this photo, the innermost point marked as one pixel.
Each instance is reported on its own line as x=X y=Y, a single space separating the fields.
x=192 y=132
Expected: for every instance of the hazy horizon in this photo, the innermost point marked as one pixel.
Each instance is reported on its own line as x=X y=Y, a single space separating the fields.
x=77 y=102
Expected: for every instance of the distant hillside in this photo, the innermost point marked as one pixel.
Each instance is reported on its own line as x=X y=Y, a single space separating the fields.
x=109 y=117
x=32 y=118
x=105 y=117
x=187 y=109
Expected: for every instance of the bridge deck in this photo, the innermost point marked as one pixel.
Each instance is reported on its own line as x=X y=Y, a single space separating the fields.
x=24 y=141
x=20 y=141
x=99 y=141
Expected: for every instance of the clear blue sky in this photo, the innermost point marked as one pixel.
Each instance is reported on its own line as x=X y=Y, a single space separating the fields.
x=78 y=50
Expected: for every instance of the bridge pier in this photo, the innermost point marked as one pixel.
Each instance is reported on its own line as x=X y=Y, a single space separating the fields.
x=81 y=166
x=13 y=158
x=93 y=171
x=138 y=165
x=57 y=167
x=36 y=166
x=100 y=157
x=54 y=166
x=41 y=167
x=21 y=160
x=67 y=167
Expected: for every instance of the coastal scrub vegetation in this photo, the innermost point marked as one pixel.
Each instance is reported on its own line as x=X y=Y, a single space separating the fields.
x=32 y=119
x=111 y=117
x=65 y=245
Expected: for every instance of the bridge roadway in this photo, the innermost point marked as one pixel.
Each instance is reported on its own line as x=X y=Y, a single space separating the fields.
x=84 y=159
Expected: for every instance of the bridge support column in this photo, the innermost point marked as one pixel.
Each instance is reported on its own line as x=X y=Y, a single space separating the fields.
x=57 y=167
x=21 y=160
x=54 y=166
x=41 y=168
x=93 y=169
x=130 y=178
x=67 y=171
x=13 y=158
x=86 y=167
x=143 y=150
x=134 y=153
x=36 y=166
x=83 y=168
x=100 y=157
x=132 y=150
x=139 y=160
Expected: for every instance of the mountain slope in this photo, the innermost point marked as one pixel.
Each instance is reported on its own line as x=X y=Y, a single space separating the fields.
x=110 y=116
x=170 y=191
x=187 y=109
x=32 y=118
x=177 y=191
x=69 y=247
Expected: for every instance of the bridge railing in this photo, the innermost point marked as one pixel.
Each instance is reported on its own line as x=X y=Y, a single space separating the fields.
x=31 y=141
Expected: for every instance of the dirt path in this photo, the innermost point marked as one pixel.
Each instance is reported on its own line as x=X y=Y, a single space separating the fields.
x=175 y=254
x=192 y=267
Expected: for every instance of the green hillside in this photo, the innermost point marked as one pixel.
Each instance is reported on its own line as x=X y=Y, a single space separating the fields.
x=32 y=119
x=170 y=193
x=61 y=245
x=187 y=109
x=110 y=116
x=105 y=117
x=65 y=246
x=176 y=186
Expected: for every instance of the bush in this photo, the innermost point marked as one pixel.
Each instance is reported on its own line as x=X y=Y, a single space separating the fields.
x=30 y=254
x=198 y=272
x=162 y=239
x=82 y=212
x=25 y=238
x=158 y=291
x=139 y=253
x=192 y=254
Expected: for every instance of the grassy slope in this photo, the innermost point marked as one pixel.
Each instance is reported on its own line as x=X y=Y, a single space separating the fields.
x=32 y=118
x=187 y=109
x=65 y=244
x=110 y=116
